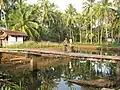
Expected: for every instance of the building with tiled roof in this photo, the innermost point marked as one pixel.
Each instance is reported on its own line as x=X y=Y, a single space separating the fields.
x=9 y=37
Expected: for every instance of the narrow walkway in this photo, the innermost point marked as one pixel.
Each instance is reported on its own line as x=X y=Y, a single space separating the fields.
x=82 y=55
x=69 y=54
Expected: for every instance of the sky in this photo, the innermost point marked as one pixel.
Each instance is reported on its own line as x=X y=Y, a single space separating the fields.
x=62 y=4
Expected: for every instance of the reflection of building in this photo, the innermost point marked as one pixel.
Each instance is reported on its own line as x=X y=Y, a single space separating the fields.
x=8 y=37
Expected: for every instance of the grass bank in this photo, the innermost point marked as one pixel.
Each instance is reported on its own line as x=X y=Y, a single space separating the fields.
x=59 y=46
x=32 y=44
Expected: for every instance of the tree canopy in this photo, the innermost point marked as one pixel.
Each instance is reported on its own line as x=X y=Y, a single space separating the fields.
x=43 y=21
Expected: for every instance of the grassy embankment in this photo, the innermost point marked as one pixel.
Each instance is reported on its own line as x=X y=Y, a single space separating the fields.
x=38 y=45
x=59 y=46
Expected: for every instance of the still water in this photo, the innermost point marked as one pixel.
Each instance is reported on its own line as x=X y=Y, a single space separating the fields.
x=48 y=73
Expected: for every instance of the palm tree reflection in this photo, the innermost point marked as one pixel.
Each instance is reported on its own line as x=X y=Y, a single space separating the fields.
x=50 y=75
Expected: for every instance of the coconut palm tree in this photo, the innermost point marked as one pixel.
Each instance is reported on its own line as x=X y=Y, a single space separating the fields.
x=88 y=11
x=116 y=22
x=103 y=14
x=70 y=20
x=20 y=19
x=80 y=24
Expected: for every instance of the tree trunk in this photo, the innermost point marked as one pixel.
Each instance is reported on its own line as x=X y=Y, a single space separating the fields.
x=86 y=36
x=80 y=34
x=112 y=35
x=70 y=33
x=106 y=31
x=98 y=37
x=91 y=41
x=73 y=38
x=98 y=34
x=101 y=32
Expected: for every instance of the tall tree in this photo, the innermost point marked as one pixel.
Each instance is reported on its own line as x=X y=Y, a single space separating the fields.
x=70 y=20
x=88 y=11
x=47 y=19
x=80 y=25
x=103 y=15
x=20 y=19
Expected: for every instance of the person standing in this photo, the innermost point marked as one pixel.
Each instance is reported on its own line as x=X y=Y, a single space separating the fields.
x=65 y=44
x=71 y=47
x=70 y=40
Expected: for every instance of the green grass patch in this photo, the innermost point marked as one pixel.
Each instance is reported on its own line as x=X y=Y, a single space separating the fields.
x=32 y=44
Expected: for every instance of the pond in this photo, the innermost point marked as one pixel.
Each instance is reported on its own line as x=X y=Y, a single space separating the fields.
x=100 y=52
x=53 y=73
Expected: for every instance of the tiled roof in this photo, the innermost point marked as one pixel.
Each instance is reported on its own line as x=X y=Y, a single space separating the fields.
x=16 y=33
x=12 y=33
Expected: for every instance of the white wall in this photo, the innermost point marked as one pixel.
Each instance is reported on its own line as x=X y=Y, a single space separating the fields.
x=12 y=40
x=19 y=39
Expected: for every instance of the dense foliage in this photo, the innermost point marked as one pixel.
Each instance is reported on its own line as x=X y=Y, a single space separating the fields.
x=43 y=21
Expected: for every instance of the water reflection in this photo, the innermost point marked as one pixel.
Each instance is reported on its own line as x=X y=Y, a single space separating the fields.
x=0 y=57
x=100 y=52
x=53 y=73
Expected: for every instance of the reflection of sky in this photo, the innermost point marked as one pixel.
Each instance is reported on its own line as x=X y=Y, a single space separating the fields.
x=105 y=70
x=63 y=86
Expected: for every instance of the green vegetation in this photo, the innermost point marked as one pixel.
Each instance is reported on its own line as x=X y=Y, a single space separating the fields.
x=32 y=44
x=12 y=86
x=53 y=72
x=42 y=21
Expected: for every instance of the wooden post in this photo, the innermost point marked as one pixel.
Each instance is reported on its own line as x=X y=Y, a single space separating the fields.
x=27 y=54
x=33 y=64
x=118 y=71
x=0 y=57
x=33 y=68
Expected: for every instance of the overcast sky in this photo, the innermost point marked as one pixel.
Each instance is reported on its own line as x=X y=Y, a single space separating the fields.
x=62 y=4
